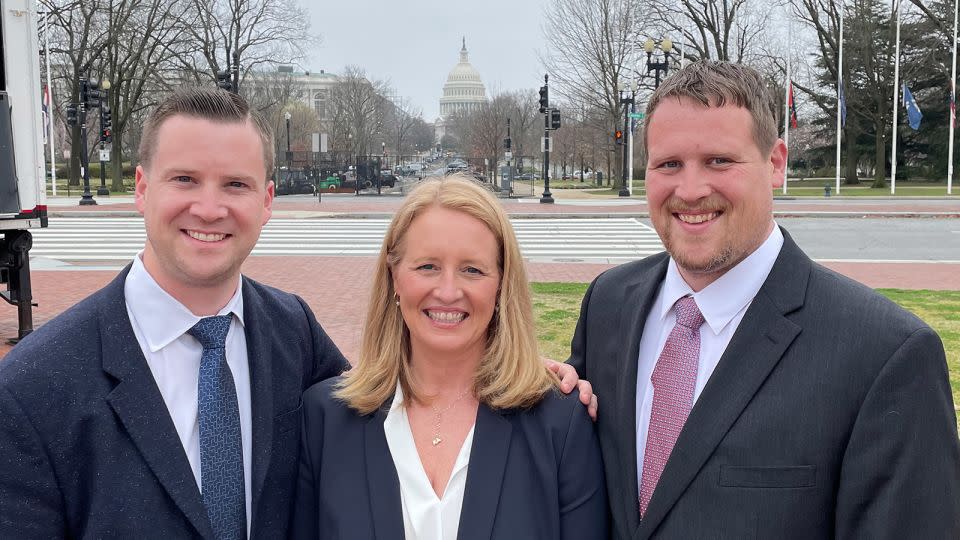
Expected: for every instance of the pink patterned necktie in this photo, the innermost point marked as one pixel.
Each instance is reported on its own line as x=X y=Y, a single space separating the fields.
x=674 y=378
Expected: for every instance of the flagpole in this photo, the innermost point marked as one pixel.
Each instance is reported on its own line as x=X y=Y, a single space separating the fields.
x=839 y=94
x=786 y=110
x=896 y=102
x=683 y=49
x=50 y=116
x=953 y=101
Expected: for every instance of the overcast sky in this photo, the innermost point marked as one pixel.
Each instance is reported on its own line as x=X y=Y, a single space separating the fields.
x=415 y=43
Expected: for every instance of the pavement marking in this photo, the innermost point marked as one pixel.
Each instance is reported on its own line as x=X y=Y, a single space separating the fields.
x=88 y=240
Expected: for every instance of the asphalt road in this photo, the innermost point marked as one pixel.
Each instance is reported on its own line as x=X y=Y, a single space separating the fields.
x=867 y=239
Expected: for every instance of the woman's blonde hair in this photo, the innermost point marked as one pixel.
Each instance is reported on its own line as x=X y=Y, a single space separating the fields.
x=510 y=374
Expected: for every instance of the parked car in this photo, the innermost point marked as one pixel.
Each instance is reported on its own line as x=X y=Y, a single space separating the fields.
x=330 y=182
x=293 y=182
x=527 y=176
x=388 y=180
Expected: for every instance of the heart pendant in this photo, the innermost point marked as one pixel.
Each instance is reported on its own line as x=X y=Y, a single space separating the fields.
x=437 y=440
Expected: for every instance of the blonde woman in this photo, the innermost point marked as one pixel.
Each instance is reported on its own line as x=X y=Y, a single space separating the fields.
x=449 y=427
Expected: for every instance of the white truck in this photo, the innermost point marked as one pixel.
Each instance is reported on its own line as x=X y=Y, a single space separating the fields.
x=23 y=193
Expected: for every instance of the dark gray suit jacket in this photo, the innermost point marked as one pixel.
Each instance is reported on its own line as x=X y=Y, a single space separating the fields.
x=87 y=446
x=829 y=415
x=533 y=474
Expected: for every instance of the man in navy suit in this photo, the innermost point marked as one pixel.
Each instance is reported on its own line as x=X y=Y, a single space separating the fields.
x=102 y=423
x=747 y=391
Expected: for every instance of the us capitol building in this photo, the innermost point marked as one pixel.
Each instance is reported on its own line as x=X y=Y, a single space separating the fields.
x=463 y=92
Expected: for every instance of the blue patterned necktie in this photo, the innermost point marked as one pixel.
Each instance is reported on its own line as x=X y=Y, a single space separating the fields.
x=221 y=447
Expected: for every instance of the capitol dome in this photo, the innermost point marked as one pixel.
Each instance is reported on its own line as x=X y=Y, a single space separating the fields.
x=464 y=90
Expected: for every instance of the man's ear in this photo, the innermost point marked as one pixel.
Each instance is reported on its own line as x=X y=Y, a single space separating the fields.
x=140 y=192
x=778 y=160
x=268 y=202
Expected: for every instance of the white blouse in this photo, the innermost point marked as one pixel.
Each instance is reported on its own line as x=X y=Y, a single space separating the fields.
x=425 y=516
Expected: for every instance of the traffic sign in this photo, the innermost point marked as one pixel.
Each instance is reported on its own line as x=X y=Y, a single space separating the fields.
x=636 y=115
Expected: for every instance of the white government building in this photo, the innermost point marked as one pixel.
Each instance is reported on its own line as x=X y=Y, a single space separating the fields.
x=463 y=91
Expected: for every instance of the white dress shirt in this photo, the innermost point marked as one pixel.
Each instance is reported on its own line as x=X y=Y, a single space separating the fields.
x=723 y=304
x=425 y=516
x=160 y=324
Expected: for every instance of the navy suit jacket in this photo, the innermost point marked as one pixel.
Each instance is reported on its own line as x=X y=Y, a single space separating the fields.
x=829 y=414
x=87 y=446
x=533 y=474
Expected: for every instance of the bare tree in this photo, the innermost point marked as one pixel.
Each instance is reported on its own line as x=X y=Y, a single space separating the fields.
x=730 y=30
x=77 y=33
x=140 y=32
x=247 y=34
x=592 y=45
x=358 y=109
x=401 y=118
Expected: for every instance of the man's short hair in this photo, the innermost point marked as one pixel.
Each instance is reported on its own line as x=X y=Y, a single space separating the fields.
x=214 y=104
x=713 y=83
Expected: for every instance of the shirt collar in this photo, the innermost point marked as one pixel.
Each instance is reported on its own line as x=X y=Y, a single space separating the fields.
x=161 y=317
x=720 y=301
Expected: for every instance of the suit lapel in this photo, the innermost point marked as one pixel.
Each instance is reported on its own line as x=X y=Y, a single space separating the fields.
x=260 y=359
x=488 y=461
x=757 y=346
x=637 y=302
x=382 y=482
x=138 y=404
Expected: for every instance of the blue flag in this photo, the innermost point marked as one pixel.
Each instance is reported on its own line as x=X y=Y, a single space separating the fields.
x=913 y=112
x=843 y=107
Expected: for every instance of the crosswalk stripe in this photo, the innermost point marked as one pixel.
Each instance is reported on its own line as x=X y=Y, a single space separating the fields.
x=116 y=239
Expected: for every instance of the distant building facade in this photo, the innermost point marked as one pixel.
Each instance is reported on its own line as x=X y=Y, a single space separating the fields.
x=312 y=89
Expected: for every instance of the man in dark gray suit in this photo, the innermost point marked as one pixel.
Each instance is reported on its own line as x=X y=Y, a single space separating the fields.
x=746 y=391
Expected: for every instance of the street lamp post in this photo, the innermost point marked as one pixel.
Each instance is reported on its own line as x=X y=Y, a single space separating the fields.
x=383 y=152
x=664 y=65
x=627 y=98
x=286 y=116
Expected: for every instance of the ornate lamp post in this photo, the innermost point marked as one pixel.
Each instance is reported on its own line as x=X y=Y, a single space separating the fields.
x=664 y=65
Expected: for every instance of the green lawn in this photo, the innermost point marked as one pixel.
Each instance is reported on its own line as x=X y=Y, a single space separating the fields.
x=63 y=190
x=556 y=307
x=903 y=190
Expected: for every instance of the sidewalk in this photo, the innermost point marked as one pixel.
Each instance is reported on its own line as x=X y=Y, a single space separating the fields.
x=340 y=304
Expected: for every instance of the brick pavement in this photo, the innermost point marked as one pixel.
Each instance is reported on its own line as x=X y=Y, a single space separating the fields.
x=334 y=287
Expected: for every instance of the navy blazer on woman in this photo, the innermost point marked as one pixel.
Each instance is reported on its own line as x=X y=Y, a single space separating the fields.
x=87 y=446
x=534 y=473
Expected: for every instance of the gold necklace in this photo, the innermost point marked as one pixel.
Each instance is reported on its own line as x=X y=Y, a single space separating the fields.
x=438 y=414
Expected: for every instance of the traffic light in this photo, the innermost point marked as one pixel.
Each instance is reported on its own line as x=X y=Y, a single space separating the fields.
x=555 y=119
x=72 y=118
x=106 y=125
x=223 y=81
x=618 y=136
x=506 y=144
x=544 y=100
